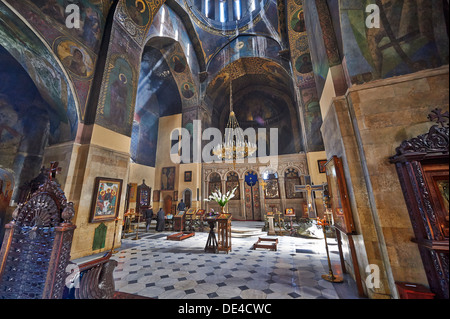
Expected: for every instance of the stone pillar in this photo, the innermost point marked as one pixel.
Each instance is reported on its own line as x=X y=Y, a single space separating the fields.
x=242 y=193
x=282 y=186
x=205 y=195
x=262 y=197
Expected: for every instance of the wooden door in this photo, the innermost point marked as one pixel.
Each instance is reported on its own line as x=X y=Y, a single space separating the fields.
x=168 y=204
x=252 y=198
x=187 y=198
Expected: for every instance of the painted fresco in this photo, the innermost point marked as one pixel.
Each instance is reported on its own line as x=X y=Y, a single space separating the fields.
x=28 y=123
x=138 y=11
x=305 y=73
x=323 y=55
x=242 y=47
x=74 y=57
x=48 y=19
x=167 y=24
x=118 y=108
x=188 y=90
x=168 y=178
x=45 y=72
x=92 y=18
x=412 y=37
x=157 y=96
x=298 y=21
x=214 y=39
x=6 y=190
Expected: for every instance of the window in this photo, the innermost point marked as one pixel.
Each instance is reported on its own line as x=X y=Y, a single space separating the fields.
x=237 y=9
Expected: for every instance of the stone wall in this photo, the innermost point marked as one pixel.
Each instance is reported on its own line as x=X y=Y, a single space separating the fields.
x=364 y=127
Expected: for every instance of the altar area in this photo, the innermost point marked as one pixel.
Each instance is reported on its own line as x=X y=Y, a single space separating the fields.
x=264 y=186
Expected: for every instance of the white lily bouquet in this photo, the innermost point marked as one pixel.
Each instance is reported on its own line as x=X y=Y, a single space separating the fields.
x=221 y=199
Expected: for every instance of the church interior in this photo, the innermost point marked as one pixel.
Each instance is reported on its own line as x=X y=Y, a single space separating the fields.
x=335 y=173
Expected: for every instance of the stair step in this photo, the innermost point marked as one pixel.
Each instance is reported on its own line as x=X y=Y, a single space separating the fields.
x=239 y=233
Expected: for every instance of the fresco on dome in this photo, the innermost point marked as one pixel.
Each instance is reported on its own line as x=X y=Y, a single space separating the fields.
x=414 y=38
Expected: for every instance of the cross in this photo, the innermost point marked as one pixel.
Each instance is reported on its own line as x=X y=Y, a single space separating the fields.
x=54 y=169
x=439 y=117
x=309 y=189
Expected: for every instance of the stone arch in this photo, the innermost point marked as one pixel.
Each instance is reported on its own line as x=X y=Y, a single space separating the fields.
x=51 y=115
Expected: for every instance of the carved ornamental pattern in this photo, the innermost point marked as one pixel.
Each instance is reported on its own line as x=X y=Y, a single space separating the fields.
x=436 y=140
x=36 y=246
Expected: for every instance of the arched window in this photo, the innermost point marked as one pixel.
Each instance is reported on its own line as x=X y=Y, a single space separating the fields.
x=292 y=178
x=232 y=182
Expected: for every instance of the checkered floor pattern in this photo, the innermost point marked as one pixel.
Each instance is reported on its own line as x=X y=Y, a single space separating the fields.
x=155 y=267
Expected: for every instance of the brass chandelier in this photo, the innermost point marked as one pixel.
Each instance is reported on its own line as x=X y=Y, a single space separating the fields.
x=234 y=146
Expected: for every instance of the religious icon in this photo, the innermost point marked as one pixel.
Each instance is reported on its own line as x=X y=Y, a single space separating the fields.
x=177 y=63
x=303 y=64
x=322 y=168
x=138 y=11
x=74 y=58
x=187 y=90
x=289 y=212
x=342 y=215
x=119 y=95
x=168 y=178
x=188 y=176
x=106 y=199
x=298 y=21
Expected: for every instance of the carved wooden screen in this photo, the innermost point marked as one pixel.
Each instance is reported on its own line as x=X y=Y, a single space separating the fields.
x=291 y=178
x=422 y=165
x=215 y=183
x=144 y=193
x=232 y=182
x=36 y=247
x=272 y=189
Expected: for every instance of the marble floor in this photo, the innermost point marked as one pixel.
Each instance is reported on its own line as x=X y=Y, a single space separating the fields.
x=155 y=267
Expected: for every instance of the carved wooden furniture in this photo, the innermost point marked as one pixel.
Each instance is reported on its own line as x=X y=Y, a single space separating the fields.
x=180 y=236
x=190 y=219
x=92 y=279
x=422 y=165
x=224 y=232
x=413 y=291
x=199 y=217
x=266 y=243
x=342 y=214
x=178 y=221
x=143 y=198
x=36 y=246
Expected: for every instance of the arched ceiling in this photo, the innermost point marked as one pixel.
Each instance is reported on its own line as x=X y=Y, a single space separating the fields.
x=244 y=73
x=263 y=97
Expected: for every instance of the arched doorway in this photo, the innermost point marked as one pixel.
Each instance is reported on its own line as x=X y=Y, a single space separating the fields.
x=38 y=108
x=168 y=204
x=187 y=198
x=252 y=198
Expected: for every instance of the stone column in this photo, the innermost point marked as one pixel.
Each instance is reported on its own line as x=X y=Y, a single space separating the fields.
x=262 y=196
x=282 y=186
x=242 y=194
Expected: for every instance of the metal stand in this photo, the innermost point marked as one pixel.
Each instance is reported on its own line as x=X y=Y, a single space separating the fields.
x=113 y=251
x=137 y=228
x=330 y=277
x=211 y=243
